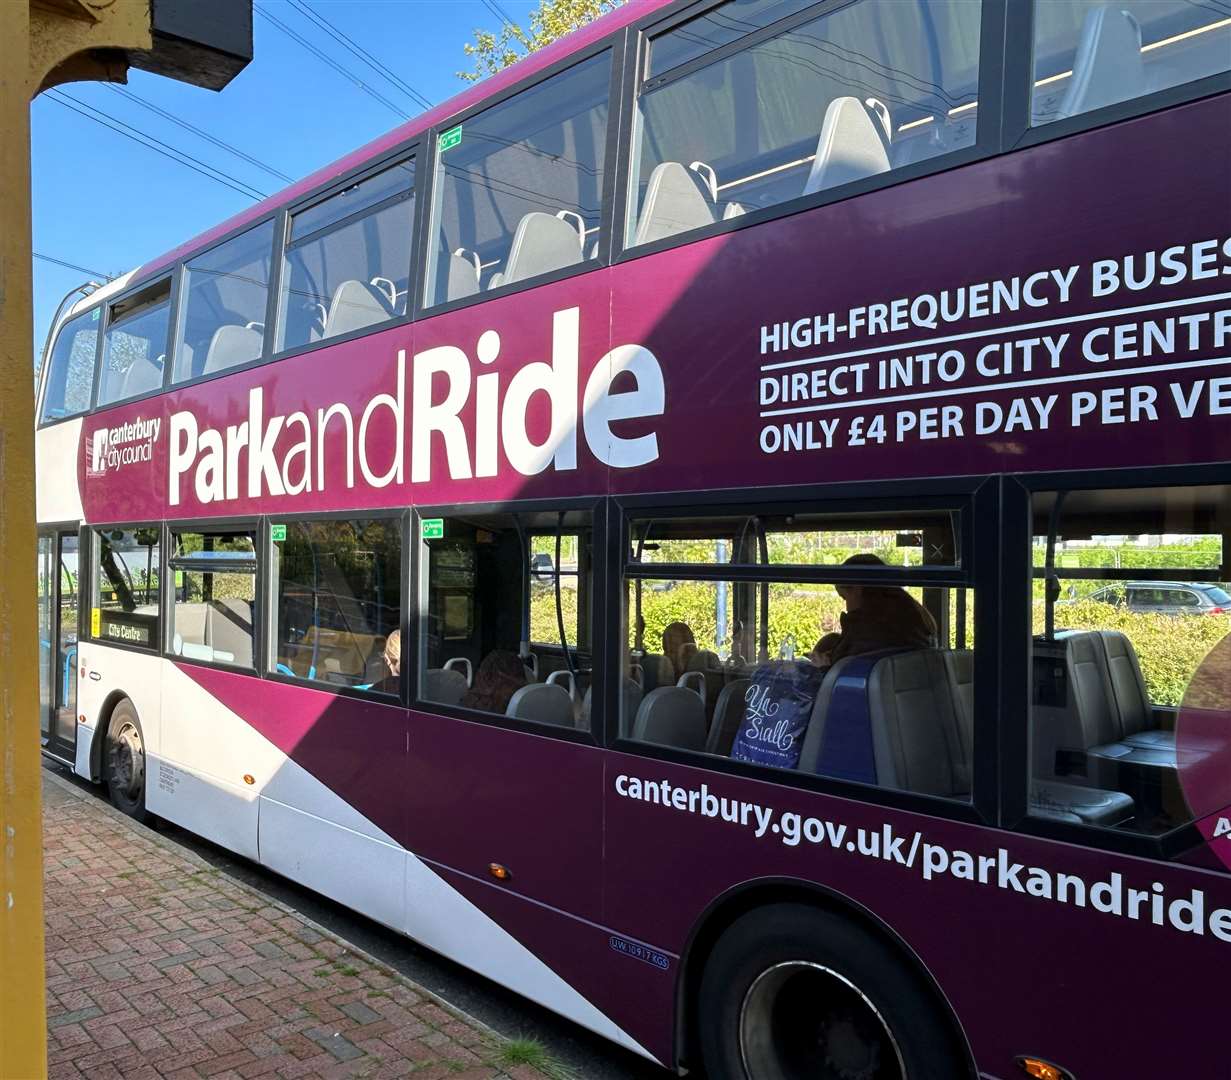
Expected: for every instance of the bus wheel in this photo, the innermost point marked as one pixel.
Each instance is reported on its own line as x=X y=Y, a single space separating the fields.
x=791 y=991
x=125 y=761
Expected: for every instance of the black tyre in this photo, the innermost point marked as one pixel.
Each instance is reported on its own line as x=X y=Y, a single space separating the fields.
x=124 y=761
x=792 y=991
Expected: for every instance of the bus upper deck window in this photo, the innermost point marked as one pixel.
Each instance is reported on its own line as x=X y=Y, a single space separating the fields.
x=853 y=93
x=348 y=259
x=1089 y=54
x=70 y=368
x=135 y=345
x=225 y=294
x=519 y=187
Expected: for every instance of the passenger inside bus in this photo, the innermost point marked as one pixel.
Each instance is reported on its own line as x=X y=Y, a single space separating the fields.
x=392 y=657
x=876 y=617
x=677 y=636
x=500 y=676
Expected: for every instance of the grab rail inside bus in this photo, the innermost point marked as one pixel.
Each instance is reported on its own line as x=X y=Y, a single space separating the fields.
x=1051 y=586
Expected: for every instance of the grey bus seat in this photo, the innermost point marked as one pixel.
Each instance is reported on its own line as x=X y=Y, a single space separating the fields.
x=656 y=671
x=548 y=703
x=356 y=304
x=1129 y=694
x=728 y=715
x=143 y=375
x=1059 y=801
x=631 y=701
x=851 y=146
x=675 y=202
x=443 y=685
x=671 y=716
x=496 y=280
x=231 y=346
x=542 y=243
x=214 y=630
x=461 y=277
x=1108 y=66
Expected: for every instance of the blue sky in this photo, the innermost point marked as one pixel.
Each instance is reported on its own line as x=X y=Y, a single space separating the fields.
x=103 y=202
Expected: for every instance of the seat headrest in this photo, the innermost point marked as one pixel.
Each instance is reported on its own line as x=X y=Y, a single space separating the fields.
x=542 y=243
x=671 y=716
x=231 y=346
x=851 y=146
x=548 y=703
x=675 y=202
x=1108 y=66
x=356 y=304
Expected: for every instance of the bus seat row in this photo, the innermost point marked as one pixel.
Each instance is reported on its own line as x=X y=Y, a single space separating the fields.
x=214 y=630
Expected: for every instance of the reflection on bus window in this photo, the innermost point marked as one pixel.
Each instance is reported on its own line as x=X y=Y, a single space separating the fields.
x=70 y=368
x=865 y=89
x=496 y=598
x=125 y=594
x=135 y=345
x=214 y=596
x=348 y=259
x=337 y=593
x=1128 y=613
x=519 y=187
x=225 y=293
x=1088 y=54
x=867 y=678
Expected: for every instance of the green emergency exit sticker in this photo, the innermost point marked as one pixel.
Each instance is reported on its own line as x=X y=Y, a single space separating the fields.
x=432 y=528
x=449 y=139
x=277 y=533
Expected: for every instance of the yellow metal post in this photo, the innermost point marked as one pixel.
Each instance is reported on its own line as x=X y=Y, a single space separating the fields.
x=44 y=43
x=22 y=1011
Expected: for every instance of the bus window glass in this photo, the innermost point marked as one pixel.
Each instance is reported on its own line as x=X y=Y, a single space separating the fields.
x=1088 y=54
x=135 y=345
x=804 y=675
x=519 y=187
x=337 y=597
x=126 y=586
x=214 y=600
x=707 y=32
x=347 y=264
x=70 y=368
x=908 y=538
x=490 y=627
x=1131 y=656
x=865 y=89
x=225 y=293
x=544 y=573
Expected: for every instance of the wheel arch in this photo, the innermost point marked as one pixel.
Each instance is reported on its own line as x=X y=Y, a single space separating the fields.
x=99 y=740
x=761 y=892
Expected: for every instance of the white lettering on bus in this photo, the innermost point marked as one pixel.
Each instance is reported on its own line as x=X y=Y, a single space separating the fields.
x=212 y=463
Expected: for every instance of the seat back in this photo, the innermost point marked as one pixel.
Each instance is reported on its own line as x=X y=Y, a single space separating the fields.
x=671 y=716
x=656 y=671
x=231 y=346
x=142 y=376
x=961 y=667
x=728 y=715
x=461 y=277
x=851 y=146
x=228 y=630
x=1128 y=687
x=628 y=706
x=443 y=685
x=675 y=202
x=356 y=304
x=1108 y=66
x=542 y=243
x=548 y=703
x=1091 y=698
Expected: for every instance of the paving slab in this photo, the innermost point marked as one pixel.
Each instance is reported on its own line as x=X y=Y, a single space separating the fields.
x=160 y=965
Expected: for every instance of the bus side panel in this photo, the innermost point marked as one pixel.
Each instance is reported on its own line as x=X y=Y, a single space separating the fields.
x=103 y=671
x=967 y=900
x=57 y=491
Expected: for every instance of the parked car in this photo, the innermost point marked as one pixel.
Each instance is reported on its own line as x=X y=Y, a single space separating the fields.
x=1165 y=597
x=541 y=564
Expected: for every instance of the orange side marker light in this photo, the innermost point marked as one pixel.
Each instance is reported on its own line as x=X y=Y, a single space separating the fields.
x=1042 y=1070
x=500 y=873
x=249 y=778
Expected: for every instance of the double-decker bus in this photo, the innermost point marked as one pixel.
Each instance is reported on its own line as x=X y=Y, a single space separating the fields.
x=654 y=530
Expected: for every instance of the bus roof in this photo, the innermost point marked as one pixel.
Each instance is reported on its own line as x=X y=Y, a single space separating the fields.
x=525 y=67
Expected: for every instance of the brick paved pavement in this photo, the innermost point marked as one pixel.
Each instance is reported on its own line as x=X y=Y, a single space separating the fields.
x=159 y=965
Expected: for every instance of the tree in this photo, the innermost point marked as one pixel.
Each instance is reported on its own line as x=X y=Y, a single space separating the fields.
x=551 y=20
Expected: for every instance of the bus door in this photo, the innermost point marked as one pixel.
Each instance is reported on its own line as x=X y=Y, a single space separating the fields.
x=57 y=631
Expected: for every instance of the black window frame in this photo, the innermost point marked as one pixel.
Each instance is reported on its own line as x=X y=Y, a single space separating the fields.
x=978 y=500
x=597 y=507
x=88 y=560
x=617 y=44
x=107 y=317
x=267 y=649
x=1015 y=658
x=411 y=150
x=258 y=527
